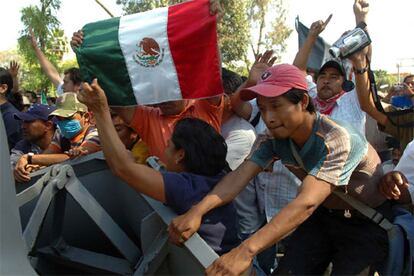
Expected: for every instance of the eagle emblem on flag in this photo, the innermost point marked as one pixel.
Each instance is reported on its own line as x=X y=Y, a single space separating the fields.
x=149 y=53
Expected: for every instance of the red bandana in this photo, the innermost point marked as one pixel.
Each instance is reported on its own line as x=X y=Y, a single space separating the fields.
x=326 y=106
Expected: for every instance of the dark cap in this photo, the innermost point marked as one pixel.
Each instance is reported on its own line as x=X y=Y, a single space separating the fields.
x=333 y=64
x=35 y=112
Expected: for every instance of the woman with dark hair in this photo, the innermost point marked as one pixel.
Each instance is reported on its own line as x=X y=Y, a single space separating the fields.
x=195 y=162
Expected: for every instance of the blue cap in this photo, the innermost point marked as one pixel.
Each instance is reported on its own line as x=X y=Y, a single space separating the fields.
x=401 y=102
x=35 y=112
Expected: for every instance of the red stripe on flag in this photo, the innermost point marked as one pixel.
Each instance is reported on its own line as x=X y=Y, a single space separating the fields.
x=192 y=37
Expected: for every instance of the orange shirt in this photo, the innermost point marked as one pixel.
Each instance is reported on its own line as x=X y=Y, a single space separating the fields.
x=156 y=129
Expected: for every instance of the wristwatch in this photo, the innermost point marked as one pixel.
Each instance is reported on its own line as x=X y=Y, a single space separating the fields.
x=361 y=71
x=29 y=157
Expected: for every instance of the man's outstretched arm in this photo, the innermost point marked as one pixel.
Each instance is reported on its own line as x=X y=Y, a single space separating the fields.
x=49 y=69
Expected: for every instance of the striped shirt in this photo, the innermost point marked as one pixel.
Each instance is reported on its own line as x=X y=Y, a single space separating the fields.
x=87 y=138
x=331 y=153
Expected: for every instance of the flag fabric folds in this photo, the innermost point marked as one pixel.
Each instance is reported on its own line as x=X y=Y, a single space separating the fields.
x=160 y=55
x=320 y=51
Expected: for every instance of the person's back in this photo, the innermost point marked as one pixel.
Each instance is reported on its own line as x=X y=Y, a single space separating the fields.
x=183 y=190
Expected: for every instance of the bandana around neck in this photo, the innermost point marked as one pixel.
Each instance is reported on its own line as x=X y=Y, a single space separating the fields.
x=326 y=106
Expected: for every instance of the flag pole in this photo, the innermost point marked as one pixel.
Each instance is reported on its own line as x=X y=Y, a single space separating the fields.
x=103 y=7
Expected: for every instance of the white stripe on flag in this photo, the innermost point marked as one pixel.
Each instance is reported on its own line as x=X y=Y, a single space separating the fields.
x=151 y=84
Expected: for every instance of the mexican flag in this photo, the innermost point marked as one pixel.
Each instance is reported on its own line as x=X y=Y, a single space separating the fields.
x=156 y=56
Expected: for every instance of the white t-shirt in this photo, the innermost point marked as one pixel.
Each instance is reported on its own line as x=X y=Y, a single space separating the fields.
x=240 y=136
x=260 y=127
x=59 y=89
x=406 y=166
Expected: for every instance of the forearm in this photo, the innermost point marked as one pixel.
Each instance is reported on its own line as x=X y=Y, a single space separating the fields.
x=141 y=178
x=228 y=188
x=114 y=150
x=362 y=86
x=15 y=85
x=241 y=108
x=48 y=159
x=313 y=192
x=301 y=58
x=287 y=220
x=49 y=69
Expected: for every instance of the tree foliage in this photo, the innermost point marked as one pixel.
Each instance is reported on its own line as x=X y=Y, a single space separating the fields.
x=50 y=39
x=242 y=20
x=383 y=78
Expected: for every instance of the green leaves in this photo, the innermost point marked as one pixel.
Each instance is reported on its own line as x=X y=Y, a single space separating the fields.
x=50 y=39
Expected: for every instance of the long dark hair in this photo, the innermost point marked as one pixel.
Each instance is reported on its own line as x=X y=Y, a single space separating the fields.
x=205 y=149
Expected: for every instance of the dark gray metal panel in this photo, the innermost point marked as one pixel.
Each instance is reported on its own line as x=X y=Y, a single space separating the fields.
x=131 y=211
x=86 y=260
x=111 y=229
x=13 y=253
x=31 y=231
x=196 y=245
x=154 y=256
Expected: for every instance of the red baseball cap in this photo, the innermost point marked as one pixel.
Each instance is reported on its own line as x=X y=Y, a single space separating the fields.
x=276 y=81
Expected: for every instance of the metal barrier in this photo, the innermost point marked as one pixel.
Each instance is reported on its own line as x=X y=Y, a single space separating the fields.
x=79 y=218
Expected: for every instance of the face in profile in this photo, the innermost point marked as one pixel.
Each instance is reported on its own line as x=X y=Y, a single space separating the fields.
x=127 y=135
x=33 y=131
x=69 y=85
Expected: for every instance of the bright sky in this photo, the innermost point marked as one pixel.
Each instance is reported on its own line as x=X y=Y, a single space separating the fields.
x=389 y=23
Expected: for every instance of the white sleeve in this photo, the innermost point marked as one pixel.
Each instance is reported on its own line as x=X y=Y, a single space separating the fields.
x=239 y=144
x=255 y=109
x=311 y=86
x=59 y=89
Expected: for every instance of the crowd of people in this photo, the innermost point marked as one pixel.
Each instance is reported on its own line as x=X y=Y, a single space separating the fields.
x=262 y=168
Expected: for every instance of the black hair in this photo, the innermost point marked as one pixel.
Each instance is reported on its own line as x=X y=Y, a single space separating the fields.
x=407 y=77
x=205 y=149
x=6 y=78
x=295 y=95
x=75 y=75
x=52 y=99
x=231 y=81
x=16 y=99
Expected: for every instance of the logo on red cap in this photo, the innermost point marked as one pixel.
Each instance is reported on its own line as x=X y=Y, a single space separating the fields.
x=266 y=75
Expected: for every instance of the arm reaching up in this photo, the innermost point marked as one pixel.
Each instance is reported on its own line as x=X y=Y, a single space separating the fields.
x=262 y=62
x=301 y=58
x=49 y=69
x=14 y=72
x=361 y=9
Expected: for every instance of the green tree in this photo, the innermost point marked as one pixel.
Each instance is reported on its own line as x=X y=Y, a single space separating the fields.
x=237 y=26
x=268 y=36
x=382 y=78
x=50 y=39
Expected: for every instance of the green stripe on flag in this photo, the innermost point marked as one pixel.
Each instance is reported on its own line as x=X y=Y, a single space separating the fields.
x=100 y=56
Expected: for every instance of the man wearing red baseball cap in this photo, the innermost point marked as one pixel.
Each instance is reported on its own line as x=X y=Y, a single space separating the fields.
x=325 y=156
